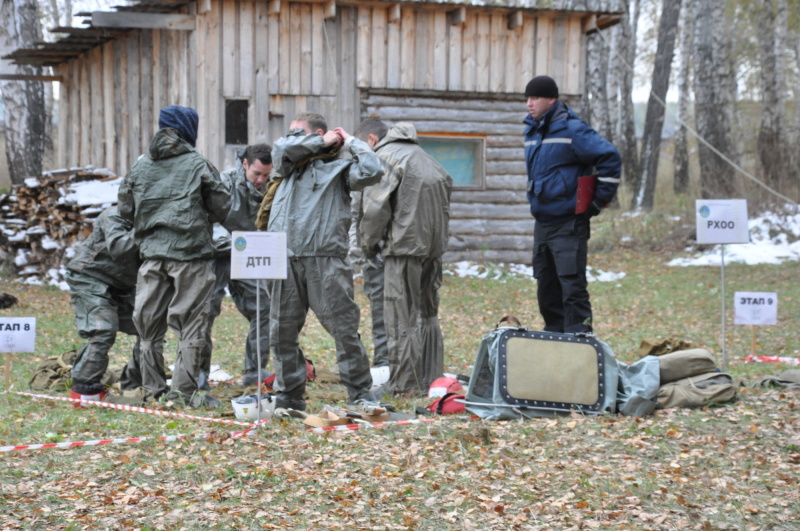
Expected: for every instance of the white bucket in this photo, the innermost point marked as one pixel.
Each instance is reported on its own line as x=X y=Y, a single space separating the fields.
x=246 y=407
x=380 y=375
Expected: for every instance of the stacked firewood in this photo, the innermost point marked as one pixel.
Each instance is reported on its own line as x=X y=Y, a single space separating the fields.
x=42 y=220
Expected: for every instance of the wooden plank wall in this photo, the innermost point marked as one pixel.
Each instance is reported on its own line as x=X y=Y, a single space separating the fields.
x=424 y=50
x=295 y=59
x=110 y=103
x=493 y=223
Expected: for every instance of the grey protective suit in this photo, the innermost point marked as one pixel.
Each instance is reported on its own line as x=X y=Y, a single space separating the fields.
x=372 y=271
x=410 y=209
x=172 y=196
x=102 y=284
x=312 y=206
x=245 y=200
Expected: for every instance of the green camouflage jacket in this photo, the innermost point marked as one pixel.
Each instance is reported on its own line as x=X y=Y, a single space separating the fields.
x=172 y=197
x=109 y=254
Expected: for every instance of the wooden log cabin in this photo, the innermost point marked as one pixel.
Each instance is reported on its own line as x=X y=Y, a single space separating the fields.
x=457 y=69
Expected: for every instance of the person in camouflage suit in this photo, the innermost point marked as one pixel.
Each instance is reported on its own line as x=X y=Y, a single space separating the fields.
x=173 y=195
x=102 y=284
x=312 y=206
x=405 y=221
x=246 y=183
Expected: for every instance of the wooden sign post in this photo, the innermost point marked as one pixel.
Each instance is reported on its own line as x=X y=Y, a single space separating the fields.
x=17 y=334
x=755 y=308
x=258 y=256
x=722 y=221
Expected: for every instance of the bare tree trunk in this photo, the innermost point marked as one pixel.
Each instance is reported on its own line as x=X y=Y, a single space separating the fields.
x=613 y=35
x=711 y=79
x=654 y=119
x=794 y=136
x=680 y=183
x=597 y=66
x=770 y=136
x=624 y=69
x=25 y=117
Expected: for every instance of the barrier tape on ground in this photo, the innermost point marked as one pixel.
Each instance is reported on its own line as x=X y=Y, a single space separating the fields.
x=77 y=444
x=354 y=427
x=772 y=359
x=131 y=408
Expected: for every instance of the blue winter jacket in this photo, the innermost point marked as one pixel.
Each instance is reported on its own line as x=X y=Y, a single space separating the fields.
x=559 y=148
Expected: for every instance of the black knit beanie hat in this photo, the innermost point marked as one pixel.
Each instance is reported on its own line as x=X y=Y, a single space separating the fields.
x=541 y=87
x=184 y=119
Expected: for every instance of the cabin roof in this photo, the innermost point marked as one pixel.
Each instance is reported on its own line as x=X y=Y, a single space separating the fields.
x=75 y=41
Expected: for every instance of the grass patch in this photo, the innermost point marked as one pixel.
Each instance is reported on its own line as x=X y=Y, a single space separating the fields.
x=715 y=468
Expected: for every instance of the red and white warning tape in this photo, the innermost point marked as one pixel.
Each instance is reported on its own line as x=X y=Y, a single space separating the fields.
x=354 y=427
x=772 y=359
x=76 y=444
x=131 y=408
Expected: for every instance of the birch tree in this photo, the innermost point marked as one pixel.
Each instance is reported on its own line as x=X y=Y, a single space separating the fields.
x=25 y=115
x=772 y=41
x=680 y=183
x=712 y=105
x=623 y=69
x=654 y=119
x=597 y=65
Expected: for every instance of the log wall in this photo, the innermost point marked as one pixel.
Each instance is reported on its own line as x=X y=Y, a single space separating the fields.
x=492 y=222
x=445 y=70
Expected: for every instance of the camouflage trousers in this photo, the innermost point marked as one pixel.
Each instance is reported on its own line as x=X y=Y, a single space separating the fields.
x=325 y=285
x=248 y=300
x=373 y=288
x=100 y=312
x=416 y=346
x=171 y=294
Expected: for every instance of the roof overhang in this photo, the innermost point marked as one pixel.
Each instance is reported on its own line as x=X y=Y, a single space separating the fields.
x=164 y=14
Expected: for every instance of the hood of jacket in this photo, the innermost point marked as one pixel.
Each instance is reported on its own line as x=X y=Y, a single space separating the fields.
x=167 y=143
x=559 y=111
x=400 y=132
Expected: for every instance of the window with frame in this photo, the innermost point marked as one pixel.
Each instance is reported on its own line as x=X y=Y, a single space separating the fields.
x=236 y=122
x=462 y=156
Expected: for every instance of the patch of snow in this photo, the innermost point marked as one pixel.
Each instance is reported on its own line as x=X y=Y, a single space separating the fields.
x=770 y=243
x=50 y=244
x=598 y=275
x=466 y=269
x=21 y=259
x=31 y=182
x=93 y=192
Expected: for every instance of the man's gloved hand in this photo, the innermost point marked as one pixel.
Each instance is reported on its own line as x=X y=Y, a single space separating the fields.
x=376 y=262
x=593 y=210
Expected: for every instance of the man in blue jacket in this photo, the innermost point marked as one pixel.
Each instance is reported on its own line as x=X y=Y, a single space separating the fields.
x=560 y=148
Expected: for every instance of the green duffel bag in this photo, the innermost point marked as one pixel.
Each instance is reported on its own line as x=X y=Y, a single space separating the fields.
x=685 y=364
x=697 y=391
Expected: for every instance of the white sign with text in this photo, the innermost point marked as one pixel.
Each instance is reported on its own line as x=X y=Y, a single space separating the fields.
x=755 y=308
x=258 y=255
x=17 y=334
x=722 y=221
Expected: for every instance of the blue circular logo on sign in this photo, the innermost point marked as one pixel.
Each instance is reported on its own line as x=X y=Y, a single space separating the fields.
x=240 y=244
x=705 y=211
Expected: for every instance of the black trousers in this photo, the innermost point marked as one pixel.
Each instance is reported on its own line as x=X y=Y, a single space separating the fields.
x=559 y=267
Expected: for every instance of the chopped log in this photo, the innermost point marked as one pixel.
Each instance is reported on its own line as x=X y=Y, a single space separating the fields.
x=38 y=224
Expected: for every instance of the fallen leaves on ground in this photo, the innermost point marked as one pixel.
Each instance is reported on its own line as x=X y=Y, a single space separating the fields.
x=727 y=467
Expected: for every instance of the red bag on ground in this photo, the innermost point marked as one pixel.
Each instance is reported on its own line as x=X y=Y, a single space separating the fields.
x=311 y=374
x=448 y=405
x=442 y=386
